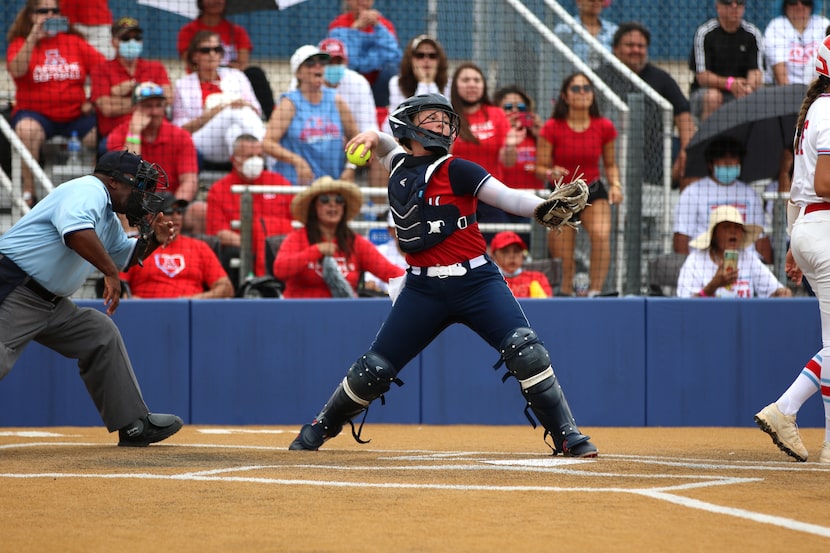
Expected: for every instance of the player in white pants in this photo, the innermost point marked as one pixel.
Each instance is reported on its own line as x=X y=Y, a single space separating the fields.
x=808 y=215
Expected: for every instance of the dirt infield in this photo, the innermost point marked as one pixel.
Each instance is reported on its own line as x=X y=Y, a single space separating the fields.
x=412 y=489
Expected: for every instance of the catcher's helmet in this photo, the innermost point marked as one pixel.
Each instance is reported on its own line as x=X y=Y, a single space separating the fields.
x=404 y=128
x=823 y=57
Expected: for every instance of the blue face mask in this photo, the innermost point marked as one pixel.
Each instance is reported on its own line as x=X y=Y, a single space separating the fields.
x=727 y=174
x=130 y=49
x=333 y=74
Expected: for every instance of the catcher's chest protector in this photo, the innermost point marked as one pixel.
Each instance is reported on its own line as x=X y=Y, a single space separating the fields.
x=419 y=224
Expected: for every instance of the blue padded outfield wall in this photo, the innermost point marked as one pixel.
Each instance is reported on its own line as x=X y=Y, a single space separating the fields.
x=622 y=361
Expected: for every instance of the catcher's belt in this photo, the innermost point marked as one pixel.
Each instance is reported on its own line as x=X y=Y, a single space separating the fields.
x=456 y=269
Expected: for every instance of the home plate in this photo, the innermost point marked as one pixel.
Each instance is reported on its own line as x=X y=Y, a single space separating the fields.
x=545 y=462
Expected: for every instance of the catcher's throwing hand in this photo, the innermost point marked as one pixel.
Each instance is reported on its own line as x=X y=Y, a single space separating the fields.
x=562 y=205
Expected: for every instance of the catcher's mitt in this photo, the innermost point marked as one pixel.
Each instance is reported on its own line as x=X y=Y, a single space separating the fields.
x=563 y=205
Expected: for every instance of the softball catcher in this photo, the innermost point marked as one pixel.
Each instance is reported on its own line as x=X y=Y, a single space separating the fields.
x=433 y=198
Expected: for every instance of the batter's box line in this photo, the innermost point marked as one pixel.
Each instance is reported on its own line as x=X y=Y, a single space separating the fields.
x=661 y=495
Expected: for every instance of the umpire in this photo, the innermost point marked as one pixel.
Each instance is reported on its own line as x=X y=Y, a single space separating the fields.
x=49 y=253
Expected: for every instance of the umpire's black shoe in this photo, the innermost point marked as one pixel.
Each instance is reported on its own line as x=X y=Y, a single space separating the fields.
x=148 y=430
x=310 y=438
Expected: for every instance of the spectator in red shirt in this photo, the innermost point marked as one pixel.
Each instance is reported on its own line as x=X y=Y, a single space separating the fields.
x=149 y=134
x=574 y=141
x=114 y=82
x=326 y=258
x=237 y=44
x=49 y=68
x=373 y=47
x=92 y=18
x=184 y=268
x=509 y=251
x=486 y=136
x=271 y=212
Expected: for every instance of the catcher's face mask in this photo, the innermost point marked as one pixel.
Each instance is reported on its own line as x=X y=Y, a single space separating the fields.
x=409 y=122
x=143 y=200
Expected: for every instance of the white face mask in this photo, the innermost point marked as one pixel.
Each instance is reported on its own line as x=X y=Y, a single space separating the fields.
x=252 y=167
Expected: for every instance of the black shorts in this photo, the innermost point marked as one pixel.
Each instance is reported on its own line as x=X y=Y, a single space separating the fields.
x=597 y=191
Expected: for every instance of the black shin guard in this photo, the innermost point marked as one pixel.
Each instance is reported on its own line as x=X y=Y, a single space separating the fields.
x=339 y=409
x=368 y=378
x=550 y=407
x=528 y=360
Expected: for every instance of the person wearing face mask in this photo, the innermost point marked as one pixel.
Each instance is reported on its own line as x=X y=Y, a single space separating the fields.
x=722 y=187
x=113 y=82
x=49 y=62
x=704 y=274
x=271 y=212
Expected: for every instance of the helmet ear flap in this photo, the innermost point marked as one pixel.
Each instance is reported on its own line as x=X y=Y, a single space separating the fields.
x=823 y=58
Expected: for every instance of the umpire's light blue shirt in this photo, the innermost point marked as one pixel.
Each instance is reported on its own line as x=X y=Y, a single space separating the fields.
x=36 y=242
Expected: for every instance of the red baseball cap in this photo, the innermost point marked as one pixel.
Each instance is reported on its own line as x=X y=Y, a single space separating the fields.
x=506 y=238
x=334 y=48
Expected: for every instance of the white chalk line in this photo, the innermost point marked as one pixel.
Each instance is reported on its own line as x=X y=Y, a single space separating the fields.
x=659 y=493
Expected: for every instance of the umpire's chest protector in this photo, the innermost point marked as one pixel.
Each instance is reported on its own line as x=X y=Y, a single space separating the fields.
x=419 y=225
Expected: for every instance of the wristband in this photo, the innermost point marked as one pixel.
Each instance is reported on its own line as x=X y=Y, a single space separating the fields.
x=729 y=82
x=351 y=166
x=133 y=139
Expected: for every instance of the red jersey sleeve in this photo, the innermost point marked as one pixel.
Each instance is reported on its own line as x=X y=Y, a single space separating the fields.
x=368 y=258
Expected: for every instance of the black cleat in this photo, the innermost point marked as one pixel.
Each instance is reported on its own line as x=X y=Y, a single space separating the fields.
x=582 y=448
x=148 y=430
x=310 y=438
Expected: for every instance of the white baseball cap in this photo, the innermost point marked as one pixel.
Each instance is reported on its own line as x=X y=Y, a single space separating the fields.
x=303 y=53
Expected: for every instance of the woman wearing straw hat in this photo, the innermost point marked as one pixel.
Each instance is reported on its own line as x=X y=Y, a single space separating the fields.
x=326 y=258
x=704 y=273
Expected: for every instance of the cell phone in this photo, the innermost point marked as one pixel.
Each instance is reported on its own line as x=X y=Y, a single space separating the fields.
x=730 y=260
x=55 y=25
x=526 y=119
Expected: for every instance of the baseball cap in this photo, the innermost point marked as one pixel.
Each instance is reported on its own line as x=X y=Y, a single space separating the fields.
x=146 y=91
x=125 y=25
x=334 y=48
x=304 y=53
x=119 y=161
x=506 y=238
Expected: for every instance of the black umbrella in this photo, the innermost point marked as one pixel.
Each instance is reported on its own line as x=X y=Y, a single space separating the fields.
x=188 y=8
x=764 y=122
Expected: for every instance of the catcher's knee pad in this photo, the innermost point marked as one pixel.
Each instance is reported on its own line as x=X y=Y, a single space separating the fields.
x=369 y=377
x=526 y=358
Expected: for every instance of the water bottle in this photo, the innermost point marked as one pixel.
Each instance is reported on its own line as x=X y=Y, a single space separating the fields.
x=73 y=149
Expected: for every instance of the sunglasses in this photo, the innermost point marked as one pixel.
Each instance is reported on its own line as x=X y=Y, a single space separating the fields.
x=422 y=55
x=326 y=199
x=209 y=49
x=576 y=89
x=44 y=11
x=796 y=2
x=149 y=91
x=176 y=210
x=730 y=2
x=510 y=107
